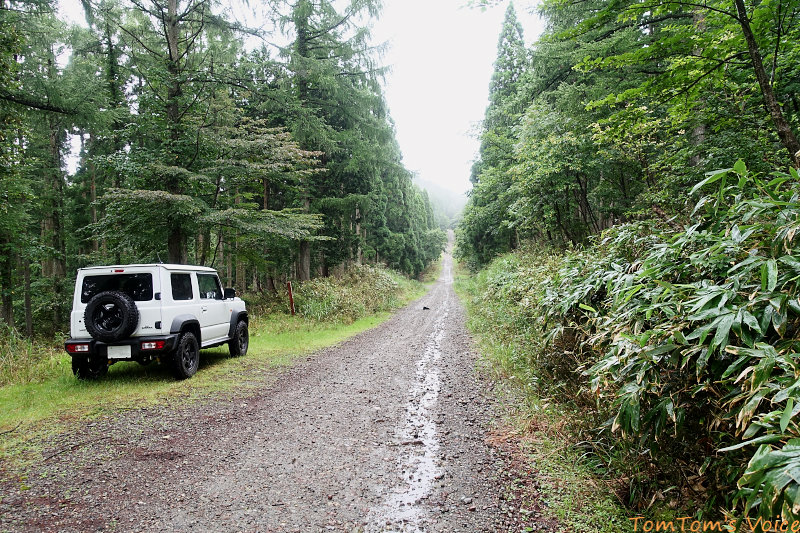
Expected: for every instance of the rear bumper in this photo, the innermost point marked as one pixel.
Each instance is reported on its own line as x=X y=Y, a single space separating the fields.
x=97 y=349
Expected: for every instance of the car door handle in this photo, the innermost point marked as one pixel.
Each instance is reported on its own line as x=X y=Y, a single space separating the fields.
x=204 y=308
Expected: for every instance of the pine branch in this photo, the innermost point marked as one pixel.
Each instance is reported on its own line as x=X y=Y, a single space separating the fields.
x=28 y=101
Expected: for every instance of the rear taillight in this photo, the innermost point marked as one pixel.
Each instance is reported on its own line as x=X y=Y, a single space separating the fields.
x=153 y=345
x=78 y=348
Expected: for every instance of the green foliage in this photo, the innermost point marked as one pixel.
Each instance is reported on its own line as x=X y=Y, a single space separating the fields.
x=623 y=106
x=371 y=208
x=683 y=340
x=677 y=336
x=24 y=360
x=361 y=290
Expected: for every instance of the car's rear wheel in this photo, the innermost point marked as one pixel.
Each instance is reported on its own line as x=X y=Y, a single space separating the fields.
x=186 y=358
x=89 y=367
x=241 y=340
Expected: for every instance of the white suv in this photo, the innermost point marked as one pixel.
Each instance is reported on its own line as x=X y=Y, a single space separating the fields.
x=152 y=312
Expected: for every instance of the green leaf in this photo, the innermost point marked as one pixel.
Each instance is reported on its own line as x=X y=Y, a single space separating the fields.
x=787 y=414
x=791 y=262
x=702 y=360
x=751 y=322
x=723 y=331
x=713 y=176
x=740 y=167
x=758 y=440
x=772 y=274
x=784 y=394
x=660 y=350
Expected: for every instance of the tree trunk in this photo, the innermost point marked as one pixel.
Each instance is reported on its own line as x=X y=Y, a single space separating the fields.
x=93 y=200
x=203 y=239
x=228 y=264
x=7 y=286
x=583 y=197
x=699 y=131
x=175 y=244
x=304 y=261
x=300 y=15
x=175 y=241
x=359 y=251
x=241 y=275
x=115 y=91
x=26 y=270
x=304 y=256
x=54 y=266
x=785 y=133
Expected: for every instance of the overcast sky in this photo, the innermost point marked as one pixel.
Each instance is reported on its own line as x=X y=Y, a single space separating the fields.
x=441 y=56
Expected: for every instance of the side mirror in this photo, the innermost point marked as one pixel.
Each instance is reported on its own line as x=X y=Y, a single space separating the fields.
x=230 y=293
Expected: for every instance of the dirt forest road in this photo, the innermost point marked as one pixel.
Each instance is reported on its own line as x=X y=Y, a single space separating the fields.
x=385 y=432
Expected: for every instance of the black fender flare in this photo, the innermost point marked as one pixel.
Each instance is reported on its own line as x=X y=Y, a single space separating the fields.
x=180 y=322
x=236 y=316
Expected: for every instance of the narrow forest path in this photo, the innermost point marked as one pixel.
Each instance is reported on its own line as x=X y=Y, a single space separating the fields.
x=385 y=432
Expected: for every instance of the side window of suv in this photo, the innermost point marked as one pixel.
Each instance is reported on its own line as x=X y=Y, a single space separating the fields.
x=181 y=286
x=209 y=287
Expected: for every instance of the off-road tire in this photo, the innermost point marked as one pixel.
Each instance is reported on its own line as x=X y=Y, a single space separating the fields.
x=240 y=340
x=111 y=316
x=186 y=358
x=94 y=368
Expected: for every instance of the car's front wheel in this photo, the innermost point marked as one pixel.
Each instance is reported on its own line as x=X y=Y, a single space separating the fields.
x=186 y=358
x=240 y=341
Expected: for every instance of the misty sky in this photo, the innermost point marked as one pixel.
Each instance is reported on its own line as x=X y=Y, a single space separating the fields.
x=442 y=57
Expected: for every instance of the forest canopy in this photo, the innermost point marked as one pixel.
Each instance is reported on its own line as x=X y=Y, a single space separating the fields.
x=268 y=162
x=619 y=108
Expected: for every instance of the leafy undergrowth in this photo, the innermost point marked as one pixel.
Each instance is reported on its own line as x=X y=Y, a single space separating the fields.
x=674 y=349
x=358 y=291
x=39 y=393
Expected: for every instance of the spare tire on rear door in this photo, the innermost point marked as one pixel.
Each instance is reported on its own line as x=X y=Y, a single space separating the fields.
x=111 y=316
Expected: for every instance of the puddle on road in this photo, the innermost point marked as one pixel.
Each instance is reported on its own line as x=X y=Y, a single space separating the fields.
x=418 y=463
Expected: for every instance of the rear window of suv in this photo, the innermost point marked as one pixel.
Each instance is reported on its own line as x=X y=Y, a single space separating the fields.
x=137 y=286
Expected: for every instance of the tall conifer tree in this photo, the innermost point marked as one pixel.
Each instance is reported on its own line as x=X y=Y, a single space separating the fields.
x=483 y=230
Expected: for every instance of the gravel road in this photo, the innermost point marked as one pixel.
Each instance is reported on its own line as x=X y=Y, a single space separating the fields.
x=385 y=432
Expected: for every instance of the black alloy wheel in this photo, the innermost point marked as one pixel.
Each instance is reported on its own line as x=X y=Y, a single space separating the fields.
x=186 y=358
x=240 y=341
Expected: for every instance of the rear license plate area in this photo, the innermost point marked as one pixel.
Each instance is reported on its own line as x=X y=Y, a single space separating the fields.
x=119 y=352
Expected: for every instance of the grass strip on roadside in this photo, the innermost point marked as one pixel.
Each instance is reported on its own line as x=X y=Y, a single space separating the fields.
x=550 y=482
